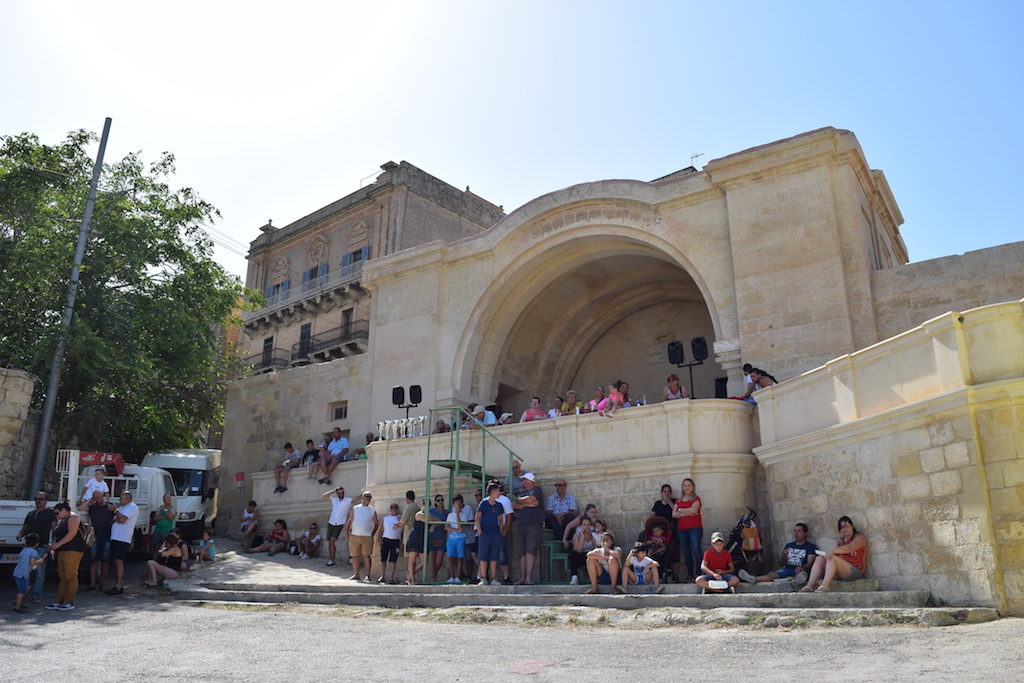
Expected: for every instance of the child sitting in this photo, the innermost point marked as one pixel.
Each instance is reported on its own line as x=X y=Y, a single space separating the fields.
x=614 y=401
x=207 y=548
x=28 y=560
x=640 y=568
x=717 y=566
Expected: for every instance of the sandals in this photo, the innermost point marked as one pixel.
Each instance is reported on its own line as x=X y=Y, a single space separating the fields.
x=807 y=589
x=822 y=589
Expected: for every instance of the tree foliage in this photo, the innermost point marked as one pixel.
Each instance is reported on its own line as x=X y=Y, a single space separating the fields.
x=146 y=363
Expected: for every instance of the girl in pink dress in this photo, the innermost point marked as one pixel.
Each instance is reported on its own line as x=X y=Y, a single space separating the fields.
x=613 y=402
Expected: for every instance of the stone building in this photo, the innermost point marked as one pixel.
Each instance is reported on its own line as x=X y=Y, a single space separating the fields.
x=787 y=256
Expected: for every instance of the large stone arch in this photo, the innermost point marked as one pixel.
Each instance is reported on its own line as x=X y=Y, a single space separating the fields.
x=540 y=264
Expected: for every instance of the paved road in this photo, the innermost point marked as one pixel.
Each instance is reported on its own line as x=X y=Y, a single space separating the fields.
x=144 y=634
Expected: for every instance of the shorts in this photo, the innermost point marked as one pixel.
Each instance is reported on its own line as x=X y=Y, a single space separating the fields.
x=389 y=549
x=21 y=584
x=294 y=467
x=604 y=578
x=855 y=575
x=119 y=550
x=360 y=546
x=456 y=545
x=334 y=531
x=641 y=574
x=471 y=547
x=491 y=547
x=786 y=572
x=100 y=551
x=529 y=538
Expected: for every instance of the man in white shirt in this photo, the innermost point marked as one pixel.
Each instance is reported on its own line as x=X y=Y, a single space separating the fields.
x=361 y=528
x=121 y=533
x=340 y=507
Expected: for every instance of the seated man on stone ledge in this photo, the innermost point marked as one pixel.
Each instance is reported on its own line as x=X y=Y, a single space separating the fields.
x=796 y=560
x=560 y=508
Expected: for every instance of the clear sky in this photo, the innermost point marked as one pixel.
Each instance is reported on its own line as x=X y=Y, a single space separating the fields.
x=274 y=110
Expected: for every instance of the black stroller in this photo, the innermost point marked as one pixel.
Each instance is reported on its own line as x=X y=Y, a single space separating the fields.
x=745 y=543
x=662 y=555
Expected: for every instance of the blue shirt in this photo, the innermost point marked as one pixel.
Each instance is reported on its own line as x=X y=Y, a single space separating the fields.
x=796 y=553
x=24 y=566
x=490 y=515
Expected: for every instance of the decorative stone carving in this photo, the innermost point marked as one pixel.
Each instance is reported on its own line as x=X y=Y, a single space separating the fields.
x=317 y=251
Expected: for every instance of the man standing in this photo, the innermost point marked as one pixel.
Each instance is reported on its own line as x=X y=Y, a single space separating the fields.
x=560 y=508
x=292 y=460
x=121 y=533
x=101 y=517
x=530 y=519
x=361 y=528
x=41 y=521
x=796 y=560
x=340 y=507
x=163 y=522
x=409 y=515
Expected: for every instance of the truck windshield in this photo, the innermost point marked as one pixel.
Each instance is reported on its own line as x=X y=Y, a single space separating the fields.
x=187 y=482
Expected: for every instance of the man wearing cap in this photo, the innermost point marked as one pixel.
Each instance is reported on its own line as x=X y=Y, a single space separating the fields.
x=717 y=566
x=340 y=506
x=529 y=520
x=481 y=416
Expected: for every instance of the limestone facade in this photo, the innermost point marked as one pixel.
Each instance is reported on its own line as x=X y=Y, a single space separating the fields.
x=17 y=431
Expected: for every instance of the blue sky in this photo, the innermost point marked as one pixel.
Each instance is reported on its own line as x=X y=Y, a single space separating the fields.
x=274 y=112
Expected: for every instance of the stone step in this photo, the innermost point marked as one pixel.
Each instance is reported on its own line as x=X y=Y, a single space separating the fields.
x=509 y=596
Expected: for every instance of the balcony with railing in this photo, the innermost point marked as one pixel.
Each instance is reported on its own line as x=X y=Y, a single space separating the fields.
x=312 y=294
x=340 y=342
x=267 y=360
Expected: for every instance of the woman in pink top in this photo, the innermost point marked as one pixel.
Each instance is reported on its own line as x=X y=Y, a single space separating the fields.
x=534 y=412
x=614 y=400
x=848 y=562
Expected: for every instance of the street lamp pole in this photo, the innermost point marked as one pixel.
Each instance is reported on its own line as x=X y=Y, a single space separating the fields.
x=46 y=421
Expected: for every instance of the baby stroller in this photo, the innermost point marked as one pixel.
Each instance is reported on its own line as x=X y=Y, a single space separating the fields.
x=745 y=543
x=663 y=555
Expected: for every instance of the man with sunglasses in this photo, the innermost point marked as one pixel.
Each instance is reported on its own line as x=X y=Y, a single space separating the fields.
x=340 y=509
x=42 y=521
x=560 y=508
x=359 y=532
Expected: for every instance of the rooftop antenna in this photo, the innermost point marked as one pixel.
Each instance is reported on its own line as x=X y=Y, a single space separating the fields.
x=694 y=157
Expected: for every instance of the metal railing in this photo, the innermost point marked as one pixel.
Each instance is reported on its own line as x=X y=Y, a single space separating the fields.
x=319 y=285
x=268 y=359
x=357 y=330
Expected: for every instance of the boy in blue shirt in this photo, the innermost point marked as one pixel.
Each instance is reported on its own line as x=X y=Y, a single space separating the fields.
x=28 y=559
x=491 y=530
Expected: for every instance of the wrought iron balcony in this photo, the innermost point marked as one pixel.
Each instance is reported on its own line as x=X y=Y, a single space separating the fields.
x=342 y=341
x=267 y=360
x=313 y=292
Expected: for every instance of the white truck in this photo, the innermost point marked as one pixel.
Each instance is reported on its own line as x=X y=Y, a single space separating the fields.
x=196 y=477
x=146 y=484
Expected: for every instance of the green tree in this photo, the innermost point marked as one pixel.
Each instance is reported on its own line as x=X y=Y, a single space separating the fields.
x=146 y=362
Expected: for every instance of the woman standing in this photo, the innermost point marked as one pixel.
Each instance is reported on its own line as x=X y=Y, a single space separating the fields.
x=848 y=562
x=689 y=527
x=437 y=535
x=70 y=547
x=414 y=546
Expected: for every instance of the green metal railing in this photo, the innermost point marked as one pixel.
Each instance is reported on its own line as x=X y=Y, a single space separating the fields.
x=451 y=445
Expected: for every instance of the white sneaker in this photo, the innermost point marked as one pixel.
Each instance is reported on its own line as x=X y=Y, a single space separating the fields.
x=456 y=580
x=495 y=582
x=799 y=579
x=303 y=556
x=482 y=582
x=746 y=576
x=574 y=581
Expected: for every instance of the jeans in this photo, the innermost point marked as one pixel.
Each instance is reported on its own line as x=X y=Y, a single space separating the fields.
x=37 y=583
x=689 y=547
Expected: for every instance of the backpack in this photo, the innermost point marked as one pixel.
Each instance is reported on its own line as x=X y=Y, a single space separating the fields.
x=85 y=531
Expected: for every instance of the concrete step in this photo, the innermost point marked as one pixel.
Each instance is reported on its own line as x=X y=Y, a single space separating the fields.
x=519 y=596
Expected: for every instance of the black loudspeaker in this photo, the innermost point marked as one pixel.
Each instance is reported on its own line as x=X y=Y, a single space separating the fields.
x=699 y=346
x=416 y=394
x=675 y=353
x=721 y=387
x=398 y=395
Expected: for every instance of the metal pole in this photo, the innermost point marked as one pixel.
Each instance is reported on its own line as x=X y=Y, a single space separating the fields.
x=46 y=421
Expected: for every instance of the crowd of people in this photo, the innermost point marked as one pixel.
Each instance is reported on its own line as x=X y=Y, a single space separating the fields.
x=476 y=539
x=320 y=460
x=105 y=531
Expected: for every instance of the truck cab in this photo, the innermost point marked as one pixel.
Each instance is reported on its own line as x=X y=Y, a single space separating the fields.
x=196 y=477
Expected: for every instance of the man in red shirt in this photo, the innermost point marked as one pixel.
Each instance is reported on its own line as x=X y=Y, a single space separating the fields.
x=717 y=566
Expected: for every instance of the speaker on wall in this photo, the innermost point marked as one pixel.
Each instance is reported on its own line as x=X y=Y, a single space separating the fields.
x=397 y=395
x=416 y=394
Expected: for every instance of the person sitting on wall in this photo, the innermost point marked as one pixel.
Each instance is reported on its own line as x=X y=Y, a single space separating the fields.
x=848 y=562
x=311 y=459
x=796 y=560
x=673 y=389
x=572 y=405
x=717 y=565
x=361 y=452
x=616 y=399
x=759 y=379
x=534 y=412
x=441 y=427
x=292 y=460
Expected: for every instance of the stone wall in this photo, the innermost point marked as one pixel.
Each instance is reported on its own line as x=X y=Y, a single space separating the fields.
x=908 y=295
x=17 y=432
x=919 y=440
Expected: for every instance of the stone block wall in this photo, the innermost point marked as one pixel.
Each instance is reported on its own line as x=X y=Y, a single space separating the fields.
x=17 y=432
